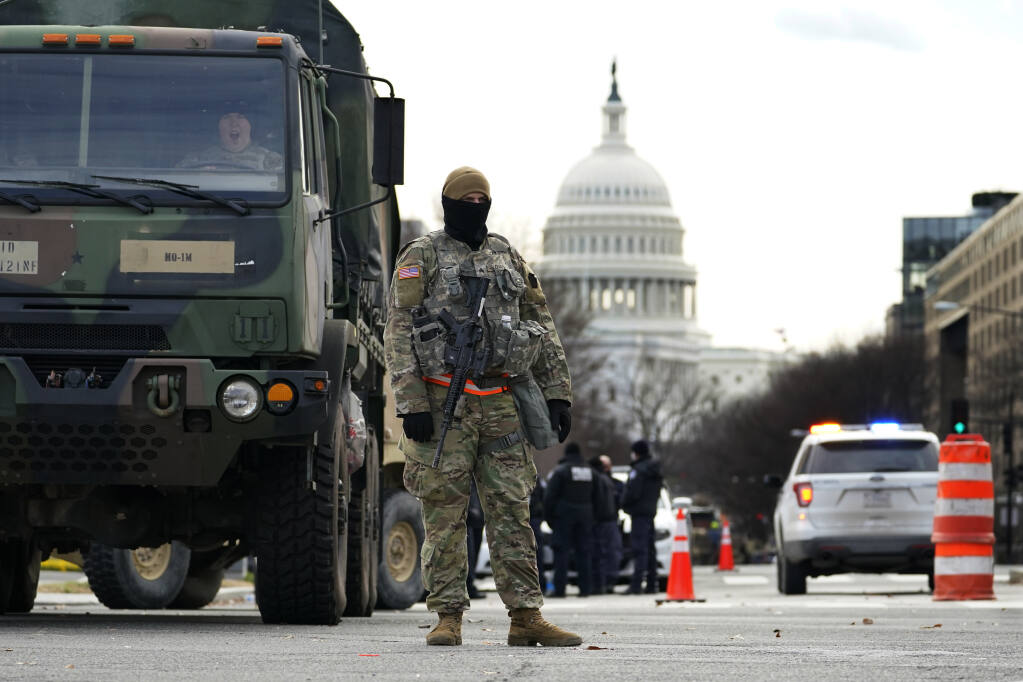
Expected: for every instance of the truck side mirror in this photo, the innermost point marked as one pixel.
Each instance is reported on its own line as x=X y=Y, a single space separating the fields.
x=389 y=141
x=772 y=481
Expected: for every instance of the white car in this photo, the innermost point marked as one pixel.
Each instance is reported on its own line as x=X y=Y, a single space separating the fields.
x=858 y=498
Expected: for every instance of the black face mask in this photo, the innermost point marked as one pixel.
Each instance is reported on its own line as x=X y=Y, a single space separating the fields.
x=465 y=220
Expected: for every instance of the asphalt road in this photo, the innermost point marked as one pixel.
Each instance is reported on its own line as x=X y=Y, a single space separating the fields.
x=850 y=627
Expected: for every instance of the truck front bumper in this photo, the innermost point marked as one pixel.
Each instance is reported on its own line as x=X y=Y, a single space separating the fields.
x=112 y=435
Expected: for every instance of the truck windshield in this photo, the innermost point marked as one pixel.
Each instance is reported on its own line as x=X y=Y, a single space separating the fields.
x=217 y=123
x=857 y=456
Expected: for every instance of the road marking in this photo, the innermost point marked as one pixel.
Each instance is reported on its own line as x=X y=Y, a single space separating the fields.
x=832 y=579
x=905 y=578
x=745 y=579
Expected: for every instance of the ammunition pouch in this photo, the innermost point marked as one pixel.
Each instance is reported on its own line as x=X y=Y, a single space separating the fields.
x=533 y=413
x=429 y=340
x=515 y=350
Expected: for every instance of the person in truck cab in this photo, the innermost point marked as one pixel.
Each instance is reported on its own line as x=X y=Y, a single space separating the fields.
x=236 y=149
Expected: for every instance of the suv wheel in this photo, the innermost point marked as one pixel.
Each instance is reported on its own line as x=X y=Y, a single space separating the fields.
x=791 y=577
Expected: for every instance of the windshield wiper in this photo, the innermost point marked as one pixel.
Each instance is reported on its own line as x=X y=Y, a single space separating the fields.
x=89 y=191
x=21 y=201
x=188 y=190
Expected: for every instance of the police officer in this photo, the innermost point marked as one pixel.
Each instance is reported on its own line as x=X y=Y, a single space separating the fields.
x=474 y=524
x=487 y=442
x=607 y=538
x=568 y=504
x=640 y=502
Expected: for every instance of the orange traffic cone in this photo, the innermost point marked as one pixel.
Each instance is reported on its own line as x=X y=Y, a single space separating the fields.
x=725 y=560
x=680 y=577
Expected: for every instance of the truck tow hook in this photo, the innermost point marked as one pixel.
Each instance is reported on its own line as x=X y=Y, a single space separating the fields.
x=163 y=398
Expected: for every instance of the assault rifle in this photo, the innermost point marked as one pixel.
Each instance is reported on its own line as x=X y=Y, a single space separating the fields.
x=468 y=354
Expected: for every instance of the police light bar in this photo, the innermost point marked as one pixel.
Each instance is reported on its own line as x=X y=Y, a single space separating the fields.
x=876 y=427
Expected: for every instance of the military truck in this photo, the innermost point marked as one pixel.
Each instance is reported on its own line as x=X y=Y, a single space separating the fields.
x=197 y=228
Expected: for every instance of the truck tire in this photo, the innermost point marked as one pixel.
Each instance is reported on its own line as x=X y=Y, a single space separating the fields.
x=401 y=572
x=143 y=578
x=19 y=575
x=300 y=535
x=200 y=589
x=363 y=536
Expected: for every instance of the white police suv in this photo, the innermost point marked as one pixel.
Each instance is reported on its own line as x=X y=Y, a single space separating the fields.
x=859 y=498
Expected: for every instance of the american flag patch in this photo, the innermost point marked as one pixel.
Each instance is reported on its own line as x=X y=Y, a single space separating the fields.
x=409 y=272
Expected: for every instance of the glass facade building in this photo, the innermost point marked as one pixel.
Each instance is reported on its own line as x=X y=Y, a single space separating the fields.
x=925 y=241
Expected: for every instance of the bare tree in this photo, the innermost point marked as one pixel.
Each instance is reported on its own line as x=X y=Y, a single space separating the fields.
x=666 y=398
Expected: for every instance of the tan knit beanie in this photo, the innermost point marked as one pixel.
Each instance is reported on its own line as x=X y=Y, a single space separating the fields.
x=465 y=180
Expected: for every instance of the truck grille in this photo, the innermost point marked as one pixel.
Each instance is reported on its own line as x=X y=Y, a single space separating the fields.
x=61 y=448
x=107 y=366
x=109 y=337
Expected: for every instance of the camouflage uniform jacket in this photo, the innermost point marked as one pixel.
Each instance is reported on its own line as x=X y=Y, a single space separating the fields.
x=426 y=277
x=253 y=157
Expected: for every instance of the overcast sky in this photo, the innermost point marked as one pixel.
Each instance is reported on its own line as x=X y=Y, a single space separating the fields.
x=793 y=136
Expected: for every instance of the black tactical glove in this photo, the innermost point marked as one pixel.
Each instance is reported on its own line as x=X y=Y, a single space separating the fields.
x=561 y=418
x=418 y=426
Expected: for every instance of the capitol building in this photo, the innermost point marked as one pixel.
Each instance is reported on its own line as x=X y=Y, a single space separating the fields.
x=614 y=246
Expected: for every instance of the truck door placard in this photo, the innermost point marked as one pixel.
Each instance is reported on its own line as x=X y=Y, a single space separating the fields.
x=19 y=257
x=200 y=257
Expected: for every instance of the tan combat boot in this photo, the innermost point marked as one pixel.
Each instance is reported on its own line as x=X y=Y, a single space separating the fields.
x=448 y=631
x=528 y=628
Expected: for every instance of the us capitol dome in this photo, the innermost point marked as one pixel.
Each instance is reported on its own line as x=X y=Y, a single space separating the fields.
x=614 y=245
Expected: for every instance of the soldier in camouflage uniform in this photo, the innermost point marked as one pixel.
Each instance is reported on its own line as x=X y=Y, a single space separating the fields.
x=236 y=149
x=486 y=441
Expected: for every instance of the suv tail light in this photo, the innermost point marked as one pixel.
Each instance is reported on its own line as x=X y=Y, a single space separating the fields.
x=804 y=493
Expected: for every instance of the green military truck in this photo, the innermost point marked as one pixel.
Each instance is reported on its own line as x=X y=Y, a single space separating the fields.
x=197 y=228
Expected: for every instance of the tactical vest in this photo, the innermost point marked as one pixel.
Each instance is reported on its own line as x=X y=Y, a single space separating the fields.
x=514 y=342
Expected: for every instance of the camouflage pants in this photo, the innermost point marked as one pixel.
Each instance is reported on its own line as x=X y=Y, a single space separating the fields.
x=504 y=477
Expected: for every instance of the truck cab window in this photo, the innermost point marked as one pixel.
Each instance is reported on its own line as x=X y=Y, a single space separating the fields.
x=203 y=121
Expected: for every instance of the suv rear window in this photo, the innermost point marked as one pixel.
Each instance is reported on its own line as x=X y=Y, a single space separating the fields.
x=856 y=456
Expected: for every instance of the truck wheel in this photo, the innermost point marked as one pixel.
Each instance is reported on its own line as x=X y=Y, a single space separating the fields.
x=19 y=575
x=143 y=578
x=301 y=535
x=200 y=589
x=401 y=572
x=363 y=542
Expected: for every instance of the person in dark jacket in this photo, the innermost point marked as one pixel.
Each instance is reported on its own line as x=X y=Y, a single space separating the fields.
x=607 y=540
x=474 y=522
x=640 y=502
x=535 y=521
x=568 y=507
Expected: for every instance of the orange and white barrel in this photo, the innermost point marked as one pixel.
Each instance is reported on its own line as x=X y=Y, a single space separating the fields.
x=963 y=534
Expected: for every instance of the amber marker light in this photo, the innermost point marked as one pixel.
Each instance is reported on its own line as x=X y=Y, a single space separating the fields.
x=88 y=39
x=280 y=397
x=269 y=41
x=825 y=428
x=121 y=41
x=316 y=386
x=55 y=39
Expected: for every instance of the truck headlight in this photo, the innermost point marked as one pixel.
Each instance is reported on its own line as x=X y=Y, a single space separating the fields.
x=240 y=399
